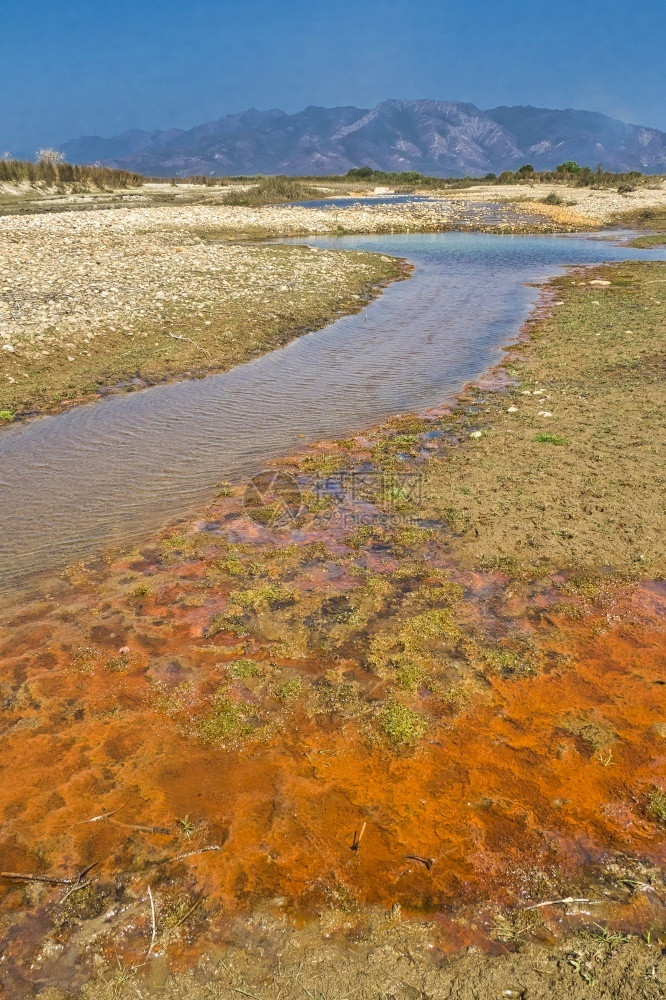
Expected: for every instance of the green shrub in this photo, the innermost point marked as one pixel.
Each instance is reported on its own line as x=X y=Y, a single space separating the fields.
x=242 y=669
x=226 y=720
x=552 y=199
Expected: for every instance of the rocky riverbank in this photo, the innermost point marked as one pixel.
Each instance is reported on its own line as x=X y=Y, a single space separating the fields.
x=92 y=300
x=99 y=299
x=595 y=206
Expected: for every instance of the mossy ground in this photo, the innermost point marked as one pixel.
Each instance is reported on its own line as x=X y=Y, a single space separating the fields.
x=591 y=381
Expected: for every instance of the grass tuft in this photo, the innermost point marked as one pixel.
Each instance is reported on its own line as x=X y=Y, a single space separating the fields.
x=546 y=438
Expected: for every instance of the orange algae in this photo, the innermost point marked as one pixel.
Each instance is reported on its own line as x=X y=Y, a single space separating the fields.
x=524 y=794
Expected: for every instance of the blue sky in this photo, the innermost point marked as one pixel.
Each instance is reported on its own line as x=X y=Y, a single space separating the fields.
x=72 y=67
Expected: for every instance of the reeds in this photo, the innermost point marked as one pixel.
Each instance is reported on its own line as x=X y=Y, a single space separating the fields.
x=50 y=171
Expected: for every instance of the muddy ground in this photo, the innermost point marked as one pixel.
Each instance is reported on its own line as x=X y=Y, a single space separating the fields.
x=390 y=724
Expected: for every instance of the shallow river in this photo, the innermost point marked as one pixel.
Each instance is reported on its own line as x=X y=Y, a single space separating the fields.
x=114 y=471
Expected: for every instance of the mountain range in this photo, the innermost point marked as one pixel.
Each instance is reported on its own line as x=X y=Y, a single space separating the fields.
x=442 y=138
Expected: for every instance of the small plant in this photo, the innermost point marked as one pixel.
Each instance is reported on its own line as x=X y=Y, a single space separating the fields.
x=225 y=721
x=611 y=939
x=315 y=502
x=409 y=674
x=139 y=592
x=271 y=595
x=552 y=199
x=6 y=416
x=515 y=926
x=546 y=438
x=656 y=805
x=509 y=663
x=243 y=669
x=290 y=689
x=225 y=623
x=124 y=973
x=402 y=725
x=596 y=738
x=187 y=825
x=175 y=543
x=118 y=663
x=582 y=970
x=231 y=565
x=85 y=659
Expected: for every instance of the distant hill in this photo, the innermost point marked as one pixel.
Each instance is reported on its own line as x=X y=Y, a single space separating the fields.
x=444 y=138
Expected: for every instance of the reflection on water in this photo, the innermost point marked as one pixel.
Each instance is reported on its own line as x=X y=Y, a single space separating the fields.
x=112 y=472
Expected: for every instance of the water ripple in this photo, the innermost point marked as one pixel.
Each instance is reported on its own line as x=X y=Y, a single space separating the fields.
x=112 y=472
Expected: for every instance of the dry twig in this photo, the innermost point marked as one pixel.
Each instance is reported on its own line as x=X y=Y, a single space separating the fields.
x=190 y=911
x=154 y=922
x=356 y=842
x=554 y=902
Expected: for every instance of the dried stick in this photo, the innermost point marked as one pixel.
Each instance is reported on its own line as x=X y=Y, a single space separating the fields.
x=189 y=912
x=554 y=902
x=356 y=842
x=75 y=888
x=168 y=860
x=154 y=922
x=244 y=993
x=102 y=816
x=164 y=830
x=48 y=879
x=188 y=854
x=426 y=862
x=189 y=340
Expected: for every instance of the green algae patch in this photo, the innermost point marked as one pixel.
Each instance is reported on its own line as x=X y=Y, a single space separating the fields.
x=226 y=720
x=402 y=725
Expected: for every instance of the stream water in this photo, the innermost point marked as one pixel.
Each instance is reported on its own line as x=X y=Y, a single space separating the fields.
x=114 y=471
